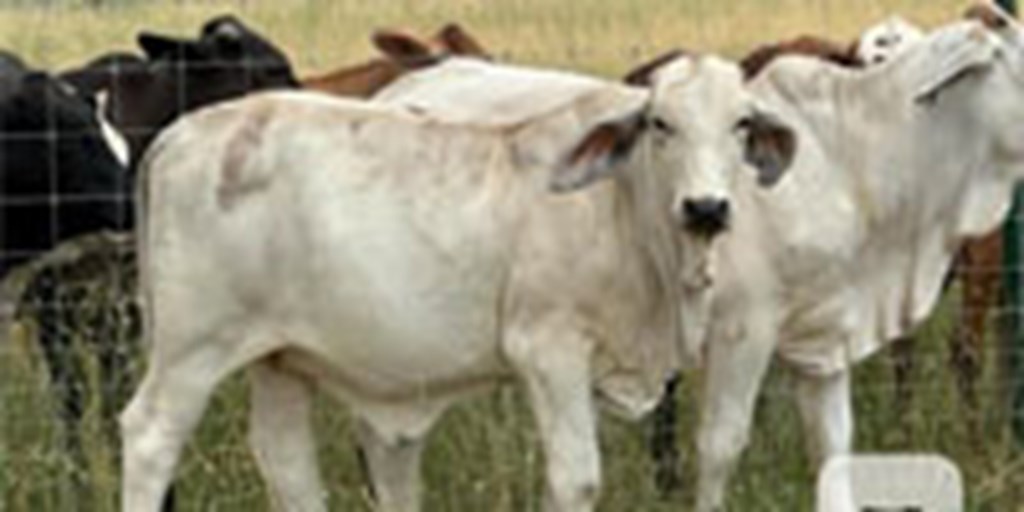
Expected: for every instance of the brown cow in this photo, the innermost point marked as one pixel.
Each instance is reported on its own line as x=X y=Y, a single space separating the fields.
x=842 y=54
x=979 y=267
x=403 y=53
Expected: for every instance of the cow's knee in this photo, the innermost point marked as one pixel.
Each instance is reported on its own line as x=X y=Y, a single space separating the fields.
x=149 y=455
x=722 y=445
x=143 y=443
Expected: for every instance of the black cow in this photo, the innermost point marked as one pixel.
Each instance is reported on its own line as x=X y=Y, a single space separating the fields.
x=59 y=177
x=11 y=71
x=139 y=95
x=177 y=75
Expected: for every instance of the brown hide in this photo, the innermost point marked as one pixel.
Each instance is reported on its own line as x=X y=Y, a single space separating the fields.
x=842 y=54
x=403 y=53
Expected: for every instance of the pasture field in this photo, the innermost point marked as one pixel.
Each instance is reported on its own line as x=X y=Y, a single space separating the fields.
x=484 y=455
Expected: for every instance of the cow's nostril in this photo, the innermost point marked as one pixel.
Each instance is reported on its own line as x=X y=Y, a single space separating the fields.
x=706 y=216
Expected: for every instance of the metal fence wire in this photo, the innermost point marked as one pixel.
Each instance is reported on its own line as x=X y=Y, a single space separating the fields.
x=71 y=349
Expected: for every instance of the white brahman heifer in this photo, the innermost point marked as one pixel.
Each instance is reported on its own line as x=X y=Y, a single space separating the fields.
x=400 y=258
x=897 y=165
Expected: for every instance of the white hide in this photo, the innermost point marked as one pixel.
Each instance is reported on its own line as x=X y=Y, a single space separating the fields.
x=696 y=97
x=401 y=256
x=860 y=233
x=882 y=41
x=401 y=260
x=115 y=141
x=897 y=164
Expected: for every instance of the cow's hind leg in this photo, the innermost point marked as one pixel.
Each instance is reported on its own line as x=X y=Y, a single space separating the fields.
x=162 y=415
x=281 y=437
x=394 y=468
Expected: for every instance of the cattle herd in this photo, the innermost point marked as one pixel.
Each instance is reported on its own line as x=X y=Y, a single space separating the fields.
x=402 y=232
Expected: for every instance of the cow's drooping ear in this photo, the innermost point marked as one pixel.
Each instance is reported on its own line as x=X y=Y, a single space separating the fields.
x=643 y=75
x=455 y=40
x=959 y=55
x=598 y=153
x=408 y=51
x=159 y=47
x=769 y=146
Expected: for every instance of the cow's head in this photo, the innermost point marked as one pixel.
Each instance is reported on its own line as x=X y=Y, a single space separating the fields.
x=882 y=41
x=227 y=60
x=702 y=128
x=46 y=118
x=965 y=85
x=974 y=70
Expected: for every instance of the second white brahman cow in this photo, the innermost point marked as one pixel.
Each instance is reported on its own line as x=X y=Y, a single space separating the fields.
x=897 y=165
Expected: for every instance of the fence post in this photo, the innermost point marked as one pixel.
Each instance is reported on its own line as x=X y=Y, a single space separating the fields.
x=1013 y=286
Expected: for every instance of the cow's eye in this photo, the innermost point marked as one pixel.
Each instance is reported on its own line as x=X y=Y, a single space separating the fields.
x=662 y=125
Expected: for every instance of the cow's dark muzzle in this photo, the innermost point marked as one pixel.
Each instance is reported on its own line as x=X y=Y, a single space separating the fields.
x=706 y=217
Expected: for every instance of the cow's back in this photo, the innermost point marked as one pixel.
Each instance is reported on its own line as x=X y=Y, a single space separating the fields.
x=320 y=217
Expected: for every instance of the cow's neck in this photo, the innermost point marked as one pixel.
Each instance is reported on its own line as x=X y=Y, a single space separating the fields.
x=971 y=188
x=644 y=224
x=919 y=180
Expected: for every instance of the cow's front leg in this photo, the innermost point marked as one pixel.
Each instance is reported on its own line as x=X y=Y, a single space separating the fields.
x=557 y=379
x=394 y=468
x=735 y=369
x=827 y=415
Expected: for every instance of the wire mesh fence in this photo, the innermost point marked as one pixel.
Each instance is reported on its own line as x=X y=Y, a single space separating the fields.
x=72 y=350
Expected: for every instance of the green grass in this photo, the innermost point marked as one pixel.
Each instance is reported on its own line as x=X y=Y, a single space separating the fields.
x=484 y=455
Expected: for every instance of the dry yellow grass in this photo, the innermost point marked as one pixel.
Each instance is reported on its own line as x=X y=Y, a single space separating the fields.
x=599 y=35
